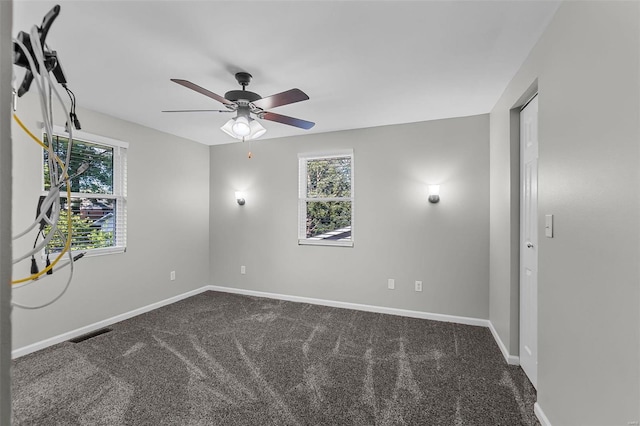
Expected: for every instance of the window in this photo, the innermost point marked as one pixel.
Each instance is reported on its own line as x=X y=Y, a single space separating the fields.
x=325 y=208
x=98 y=195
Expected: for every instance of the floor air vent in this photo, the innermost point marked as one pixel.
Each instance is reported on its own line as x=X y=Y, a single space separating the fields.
x=90 y=335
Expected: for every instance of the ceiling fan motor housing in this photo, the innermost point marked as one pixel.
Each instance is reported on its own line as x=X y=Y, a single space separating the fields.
x=236 y=95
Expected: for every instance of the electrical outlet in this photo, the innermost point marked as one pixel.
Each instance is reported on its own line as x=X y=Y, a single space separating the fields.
x=391 y=284
x=243 y=269
x=418 y=285
x=172 y=276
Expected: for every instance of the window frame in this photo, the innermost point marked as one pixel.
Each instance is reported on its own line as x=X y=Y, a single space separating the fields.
x=303 y=159
x=119 y=188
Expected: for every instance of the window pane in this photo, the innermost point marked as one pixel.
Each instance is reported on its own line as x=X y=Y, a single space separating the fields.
x=93 y=224
x=329 y=220
x=330 y=177
x=97 y=179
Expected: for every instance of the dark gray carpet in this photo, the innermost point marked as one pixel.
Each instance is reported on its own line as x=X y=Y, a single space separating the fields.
x=223 y=359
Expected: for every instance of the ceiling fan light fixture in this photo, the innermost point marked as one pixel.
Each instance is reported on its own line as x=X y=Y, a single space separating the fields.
x=256 y=129
x=228 y=128
x=241 y=127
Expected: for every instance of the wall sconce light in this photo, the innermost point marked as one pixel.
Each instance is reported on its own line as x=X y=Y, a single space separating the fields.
x=434 y=193
x=240 y=198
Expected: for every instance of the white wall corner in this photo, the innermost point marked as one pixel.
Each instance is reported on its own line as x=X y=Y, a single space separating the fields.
x=510 y=359
x=25 y=350
x=542 y=418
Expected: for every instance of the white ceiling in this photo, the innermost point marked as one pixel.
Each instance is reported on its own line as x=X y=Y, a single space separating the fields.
x=362 y=63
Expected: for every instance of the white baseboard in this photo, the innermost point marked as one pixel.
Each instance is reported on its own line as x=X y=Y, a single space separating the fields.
x=511 y=359
x=542 y=418
x=25 y=350
x=356 y=306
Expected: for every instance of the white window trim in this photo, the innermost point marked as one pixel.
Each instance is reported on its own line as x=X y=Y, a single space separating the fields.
x=90 y=137
x=302 y=199
x=119 y=186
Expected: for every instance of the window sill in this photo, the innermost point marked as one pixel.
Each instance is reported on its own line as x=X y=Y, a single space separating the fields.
x=310 y=242
x=89 y=252
x=103 y=251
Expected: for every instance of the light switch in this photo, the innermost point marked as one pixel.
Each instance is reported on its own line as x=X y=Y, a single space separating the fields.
x=548 y=225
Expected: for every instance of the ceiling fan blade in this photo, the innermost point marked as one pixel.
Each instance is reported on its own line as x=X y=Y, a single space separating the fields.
x=296 y=122
x=198 y=110
x=279 y=99
x=201 y=90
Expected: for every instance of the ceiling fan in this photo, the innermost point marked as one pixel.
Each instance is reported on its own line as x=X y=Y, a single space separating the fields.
x=248 y=105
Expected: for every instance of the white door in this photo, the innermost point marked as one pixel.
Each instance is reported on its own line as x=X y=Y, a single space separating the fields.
x=529 y=240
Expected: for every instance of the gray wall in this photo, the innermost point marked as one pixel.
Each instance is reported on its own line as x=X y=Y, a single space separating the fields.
x=6 y=61
x=586 y=66
x=168 y=228
x=398 y=233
